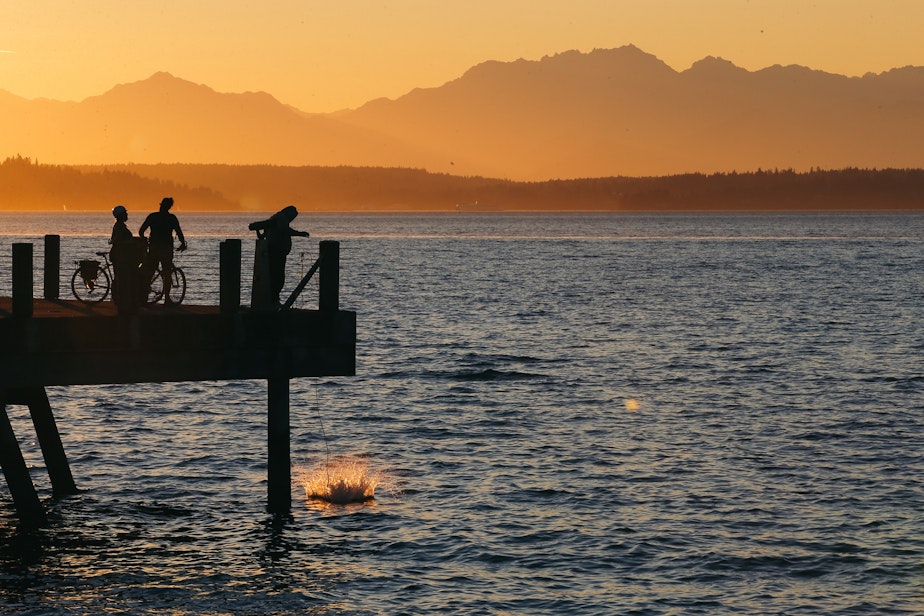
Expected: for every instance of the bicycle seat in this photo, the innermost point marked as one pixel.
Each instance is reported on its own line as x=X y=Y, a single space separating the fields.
x=101 y=254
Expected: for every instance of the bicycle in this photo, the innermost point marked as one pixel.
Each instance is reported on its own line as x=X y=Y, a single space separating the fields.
x=177 y=286
x=91 y=282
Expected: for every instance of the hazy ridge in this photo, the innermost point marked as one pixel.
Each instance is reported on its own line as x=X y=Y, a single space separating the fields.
x=616 y=112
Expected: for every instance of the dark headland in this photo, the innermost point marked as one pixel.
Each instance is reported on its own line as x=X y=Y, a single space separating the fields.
x=29 y=185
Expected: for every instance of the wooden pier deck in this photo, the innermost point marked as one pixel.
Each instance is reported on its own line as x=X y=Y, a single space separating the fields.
x=68 y=343
x=54 y=342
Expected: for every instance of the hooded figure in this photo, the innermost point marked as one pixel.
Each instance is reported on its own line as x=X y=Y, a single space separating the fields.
x=278 y=236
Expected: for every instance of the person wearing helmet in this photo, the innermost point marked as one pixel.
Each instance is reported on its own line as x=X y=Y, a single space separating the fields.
x=120 y=230
x=125 y=255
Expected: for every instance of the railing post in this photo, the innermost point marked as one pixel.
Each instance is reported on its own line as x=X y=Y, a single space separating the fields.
x=329 y=275
x=260 y=290
x=229 y=275
x=52 y=266
x=22 y=280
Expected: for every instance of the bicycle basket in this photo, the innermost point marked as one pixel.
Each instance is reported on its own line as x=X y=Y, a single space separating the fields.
x=89 y=269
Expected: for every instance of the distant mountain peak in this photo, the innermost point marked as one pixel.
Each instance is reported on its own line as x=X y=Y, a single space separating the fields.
x=160 y=81
x=626 y=60
x=714 y=64
x=162 y=75
x=627 y=55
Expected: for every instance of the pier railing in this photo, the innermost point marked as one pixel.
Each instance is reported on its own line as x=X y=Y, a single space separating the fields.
x=326 y=267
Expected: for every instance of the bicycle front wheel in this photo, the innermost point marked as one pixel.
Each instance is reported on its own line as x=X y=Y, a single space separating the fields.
x=177 y=285
x=91 y=290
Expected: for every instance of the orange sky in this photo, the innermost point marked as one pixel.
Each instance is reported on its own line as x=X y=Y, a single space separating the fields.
x=324 y=55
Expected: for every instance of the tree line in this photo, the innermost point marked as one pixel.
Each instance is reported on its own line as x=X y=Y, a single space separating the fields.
x=26 y=184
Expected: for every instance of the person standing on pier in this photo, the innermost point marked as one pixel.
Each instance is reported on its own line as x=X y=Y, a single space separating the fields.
x=120 y=230
x=126 y=254
x=278 y=235
x=163 y=225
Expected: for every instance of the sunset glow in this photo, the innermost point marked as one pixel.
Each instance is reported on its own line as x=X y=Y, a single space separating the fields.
x=324 y=56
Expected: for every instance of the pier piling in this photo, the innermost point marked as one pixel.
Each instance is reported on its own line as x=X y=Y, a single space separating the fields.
x=278 y=462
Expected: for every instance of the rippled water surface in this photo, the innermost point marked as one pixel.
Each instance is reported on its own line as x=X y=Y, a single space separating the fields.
x=579 y=414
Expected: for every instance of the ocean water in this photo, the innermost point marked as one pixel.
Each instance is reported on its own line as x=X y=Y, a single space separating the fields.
x=576 y=413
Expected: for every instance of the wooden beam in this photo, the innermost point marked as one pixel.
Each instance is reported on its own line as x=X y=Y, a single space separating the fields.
x=25 y=498
x=174 y=347
x=59 y=471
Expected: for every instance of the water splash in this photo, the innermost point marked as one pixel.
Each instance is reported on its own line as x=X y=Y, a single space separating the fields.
x=341 y=480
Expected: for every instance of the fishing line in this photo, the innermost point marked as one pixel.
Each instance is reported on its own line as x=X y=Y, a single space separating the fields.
x=317 y=406
x=301 y=274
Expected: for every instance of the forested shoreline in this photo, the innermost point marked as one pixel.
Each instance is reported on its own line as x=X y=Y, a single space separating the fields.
x=29 y=185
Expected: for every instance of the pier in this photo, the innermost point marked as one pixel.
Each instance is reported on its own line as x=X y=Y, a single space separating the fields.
x=49 y=341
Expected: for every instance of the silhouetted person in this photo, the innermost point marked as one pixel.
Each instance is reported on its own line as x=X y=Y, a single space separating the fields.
x=278 y=235
x=126 y=254
x=120 y=230
x=163 y=225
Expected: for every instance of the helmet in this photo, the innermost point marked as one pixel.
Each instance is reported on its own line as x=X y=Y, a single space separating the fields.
x=119 y=211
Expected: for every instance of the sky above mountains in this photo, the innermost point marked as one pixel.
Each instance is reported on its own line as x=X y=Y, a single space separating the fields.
x=324 y=55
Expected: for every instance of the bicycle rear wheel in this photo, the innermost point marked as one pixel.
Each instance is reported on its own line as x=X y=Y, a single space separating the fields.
x=91 y=290
x=155 y=289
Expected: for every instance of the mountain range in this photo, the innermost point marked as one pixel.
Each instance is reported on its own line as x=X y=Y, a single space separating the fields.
x=612 y=112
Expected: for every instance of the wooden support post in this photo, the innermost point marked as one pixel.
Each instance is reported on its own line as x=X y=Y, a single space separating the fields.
x=278 y=466
x=127 y=291
x=329 y=275
x=59 y=471
x=22 y=280
x=52 y=266
x=25 y=498
x=229 y=276
x=260 y=291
